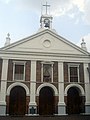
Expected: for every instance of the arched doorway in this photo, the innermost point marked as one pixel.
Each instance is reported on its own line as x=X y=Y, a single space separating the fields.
x=17 y=104
x=74 y=101
x=46 y=101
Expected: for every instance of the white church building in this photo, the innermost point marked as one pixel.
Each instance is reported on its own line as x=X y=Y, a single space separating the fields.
x=44 y=74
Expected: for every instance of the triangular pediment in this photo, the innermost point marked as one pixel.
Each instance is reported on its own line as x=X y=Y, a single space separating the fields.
x=45 y=41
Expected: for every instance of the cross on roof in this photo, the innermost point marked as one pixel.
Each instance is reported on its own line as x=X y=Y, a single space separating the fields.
x=46 y=6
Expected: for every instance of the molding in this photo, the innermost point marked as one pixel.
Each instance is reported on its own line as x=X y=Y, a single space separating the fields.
x=61 y=104
x=2 y=103
x=18 y=84
x=50 y=32
x=81 y=90
x=19 y=62
x=45 y=57
x=47 y=85
x=87 y=103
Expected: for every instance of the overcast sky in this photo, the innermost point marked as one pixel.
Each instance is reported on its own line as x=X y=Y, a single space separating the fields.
x=21 y=18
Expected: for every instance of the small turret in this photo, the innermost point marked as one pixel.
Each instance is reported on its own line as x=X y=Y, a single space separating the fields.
x=83 y=45
x=46 y=19
x=7 y=40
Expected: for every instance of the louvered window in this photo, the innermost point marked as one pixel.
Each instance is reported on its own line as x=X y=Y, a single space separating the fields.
x=73 y=72
x=19 y=71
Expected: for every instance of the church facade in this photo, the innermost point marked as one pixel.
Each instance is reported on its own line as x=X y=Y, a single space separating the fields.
x=44 y=74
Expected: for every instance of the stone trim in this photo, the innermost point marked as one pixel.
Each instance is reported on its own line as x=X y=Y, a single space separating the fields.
x=18 y=84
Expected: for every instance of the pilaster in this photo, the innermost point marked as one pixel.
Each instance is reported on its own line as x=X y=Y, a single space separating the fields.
x=87 y=89
x=32 y=104
x=61 y=103
x=3 y=87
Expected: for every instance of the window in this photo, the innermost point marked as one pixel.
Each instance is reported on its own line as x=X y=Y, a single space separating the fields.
x=47 y=75
x=19 y=71
x=73 y=70
x=47 y=23
x=47 y=72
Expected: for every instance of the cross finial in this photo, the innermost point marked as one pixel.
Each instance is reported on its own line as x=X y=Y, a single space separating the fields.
x=46 y=6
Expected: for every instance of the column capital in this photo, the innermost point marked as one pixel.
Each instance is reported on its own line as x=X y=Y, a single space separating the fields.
x=4 y=58
x=33 y=60
x=60 y=61
x=86 y=62
x=61 y=103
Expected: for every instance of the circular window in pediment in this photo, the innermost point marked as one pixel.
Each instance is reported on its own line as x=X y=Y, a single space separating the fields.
x=47 y=43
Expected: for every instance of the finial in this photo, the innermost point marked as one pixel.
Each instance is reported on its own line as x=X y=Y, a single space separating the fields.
x=83 y=45
x=46 y=7
x=8 y=35
x=83 y=40
x=7 y=40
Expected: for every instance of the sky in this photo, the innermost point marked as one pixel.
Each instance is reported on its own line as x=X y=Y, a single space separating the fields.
x=21 y=18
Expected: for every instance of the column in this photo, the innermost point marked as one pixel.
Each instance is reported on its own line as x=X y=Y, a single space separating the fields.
x=3 y=87
x=87 y=89
x=61 y=103
x=32 y=104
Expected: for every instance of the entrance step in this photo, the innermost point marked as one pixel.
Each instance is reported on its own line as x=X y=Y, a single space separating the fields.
x=67 y=117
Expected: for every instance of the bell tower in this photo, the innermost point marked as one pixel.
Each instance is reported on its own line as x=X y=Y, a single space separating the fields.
x=46 y=19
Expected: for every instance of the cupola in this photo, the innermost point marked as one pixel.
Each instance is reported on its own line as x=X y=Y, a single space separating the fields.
x=46 y=19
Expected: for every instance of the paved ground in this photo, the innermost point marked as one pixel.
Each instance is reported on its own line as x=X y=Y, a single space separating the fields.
x=69 y=117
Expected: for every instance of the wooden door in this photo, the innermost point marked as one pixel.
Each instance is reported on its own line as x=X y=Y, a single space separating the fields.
x=46 y=101
x=17 y=104
x=73 y=101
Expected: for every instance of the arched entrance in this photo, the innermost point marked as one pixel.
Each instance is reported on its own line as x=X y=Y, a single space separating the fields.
x=17 y=104
x=74 y=101
x=46 y=101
